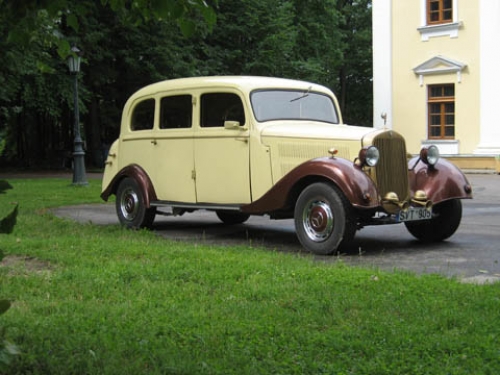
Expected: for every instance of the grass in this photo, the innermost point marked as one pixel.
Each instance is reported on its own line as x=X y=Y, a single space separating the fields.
x=103 y=300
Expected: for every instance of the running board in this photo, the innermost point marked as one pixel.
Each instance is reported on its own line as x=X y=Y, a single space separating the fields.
x=196 y=206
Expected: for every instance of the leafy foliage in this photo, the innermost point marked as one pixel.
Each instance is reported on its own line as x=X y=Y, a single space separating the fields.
x=7 y=349
x=128 y=44
x=8 y=222
x=356 y=73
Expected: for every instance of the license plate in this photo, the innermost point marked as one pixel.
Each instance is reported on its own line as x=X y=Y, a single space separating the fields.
x=415 y=213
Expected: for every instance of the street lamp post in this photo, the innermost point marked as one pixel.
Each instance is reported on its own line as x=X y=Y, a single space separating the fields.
x=79 y=177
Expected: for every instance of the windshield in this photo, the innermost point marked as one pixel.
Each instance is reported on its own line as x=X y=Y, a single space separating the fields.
x=270 y=105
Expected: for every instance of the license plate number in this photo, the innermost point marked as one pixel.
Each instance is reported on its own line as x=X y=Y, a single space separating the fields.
x=415 y=213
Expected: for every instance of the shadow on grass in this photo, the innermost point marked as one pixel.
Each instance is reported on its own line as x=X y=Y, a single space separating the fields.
x=280 y=236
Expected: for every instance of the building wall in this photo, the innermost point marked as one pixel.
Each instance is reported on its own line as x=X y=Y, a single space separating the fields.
x=490 y=78
x=382 y=62
x=471 y=43
x=410 y=90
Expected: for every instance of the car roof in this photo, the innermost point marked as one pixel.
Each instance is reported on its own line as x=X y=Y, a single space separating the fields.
x=243 y=83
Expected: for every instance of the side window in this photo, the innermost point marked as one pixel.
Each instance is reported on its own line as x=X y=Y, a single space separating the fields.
x=176 y=112
x=143 y=116
x=220 y=107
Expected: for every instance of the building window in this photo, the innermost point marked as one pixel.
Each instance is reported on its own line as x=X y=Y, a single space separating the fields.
x=439 y=18
x=439 y=11
x=441 y=109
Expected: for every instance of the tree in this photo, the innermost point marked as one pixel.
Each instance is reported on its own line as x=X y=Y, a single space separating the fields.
x=128 y=44
x=319 y=42
x=356 y=72
x=35 y=93
x=121 y=57
x=30 y=94
x=250 y=37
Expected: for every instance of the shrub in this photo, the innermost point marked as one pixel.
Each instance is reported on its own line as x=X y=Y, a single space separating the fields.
x=7 y=349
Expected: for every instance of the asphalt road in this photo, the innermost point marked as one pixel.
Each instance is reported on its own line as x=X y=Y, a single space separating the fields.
x=472 y=254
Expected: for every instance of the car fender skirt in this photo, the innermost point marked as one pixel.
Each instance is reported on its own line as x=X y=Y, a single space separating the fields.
x=137 y=173
x=442 y=182
x=357 y=187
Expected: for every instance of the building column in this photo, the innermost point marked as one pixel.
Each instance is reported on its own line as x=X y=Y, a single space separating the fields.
x=382 y=62
x=489 y=121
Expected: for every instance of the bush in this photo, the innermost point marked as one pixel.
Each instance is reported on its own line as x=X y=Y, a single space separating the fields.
x=7 y=349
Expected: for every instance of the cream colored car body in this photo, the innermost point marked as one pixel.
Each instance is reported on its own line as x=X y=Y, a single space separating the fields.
x=244 y=146
x=220 y=165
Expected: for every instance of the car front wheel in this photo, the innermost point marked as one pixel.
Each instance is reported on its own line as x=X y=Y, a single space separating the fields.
x=130 y=206
x=446 y=217
x=322 y=219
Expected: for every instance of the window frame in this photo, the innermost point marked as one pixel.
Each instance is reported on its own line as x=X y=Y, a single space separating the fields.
x=430 y=30
x=442 y=101
x=440 y=12
x=142 y=112
x=215 y=107
x=183 y=118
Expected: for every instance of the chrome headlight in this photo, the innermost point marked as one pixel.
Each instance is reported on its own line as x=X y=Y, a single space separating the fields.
x=429 y=155
x=369 y=156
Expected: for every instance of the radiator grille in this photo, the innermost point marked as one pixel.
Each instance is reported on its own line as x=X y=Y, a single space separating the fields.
x=391 y=172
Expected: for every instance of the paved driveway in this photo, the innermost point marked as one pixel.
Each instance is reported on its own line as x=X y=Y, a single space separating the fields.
x=473 y=253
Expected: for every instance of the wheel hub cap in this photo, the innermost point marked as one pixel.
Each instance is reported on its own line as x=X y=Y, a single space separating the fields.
x=129 y=204
x=318 y=220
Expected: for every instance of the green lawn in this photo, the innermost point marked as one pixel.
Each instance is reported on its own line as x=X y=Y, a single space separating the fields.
x=103 y=300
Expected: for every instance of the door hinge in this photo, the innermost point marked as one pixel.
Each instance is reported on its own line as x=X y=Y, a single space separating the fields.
x=193 y=174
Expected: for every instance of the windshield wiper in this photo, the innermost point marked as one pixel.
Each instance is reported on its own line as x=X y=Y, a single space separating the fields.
x=304 y=95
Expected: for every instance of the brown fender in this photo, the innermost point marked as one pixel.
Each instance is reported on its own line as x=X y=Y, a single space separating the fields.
x=137 y=173
x=358 y=188
x=442 y=182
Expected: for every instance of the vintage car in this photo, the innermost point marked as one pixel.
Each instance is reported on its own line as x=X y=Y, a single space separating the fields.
x=242 y=146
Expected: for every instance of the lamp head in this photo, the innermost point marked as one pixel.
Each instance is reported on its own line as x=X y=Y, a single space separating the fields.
x=74 y=60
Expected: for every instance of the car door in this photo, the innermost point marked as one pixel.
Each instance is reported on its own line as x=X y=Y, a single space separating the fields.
x=160 y=140
x=173 y=154
x=221 y=147
x=136 y=147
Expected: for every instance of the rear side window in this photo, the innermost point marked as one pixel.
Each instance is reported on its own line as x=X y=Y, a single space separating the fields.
x=220 y=107
x=143 y=116
x=176 y=112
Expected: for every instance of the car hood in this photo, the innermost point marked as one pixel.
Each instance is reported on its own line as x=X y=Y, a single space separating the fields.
x=292 y=143
x=314 y=130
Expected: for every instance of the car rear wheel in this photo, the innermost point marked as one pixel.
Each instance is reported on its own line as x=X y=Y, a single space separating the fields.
x=323 y=219
x=446 y=217
x=130 y=206
x=232 y=217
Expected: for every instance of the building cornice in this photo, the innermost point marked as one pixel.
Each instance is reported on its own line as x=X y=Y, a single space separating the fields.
x=439 y=65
